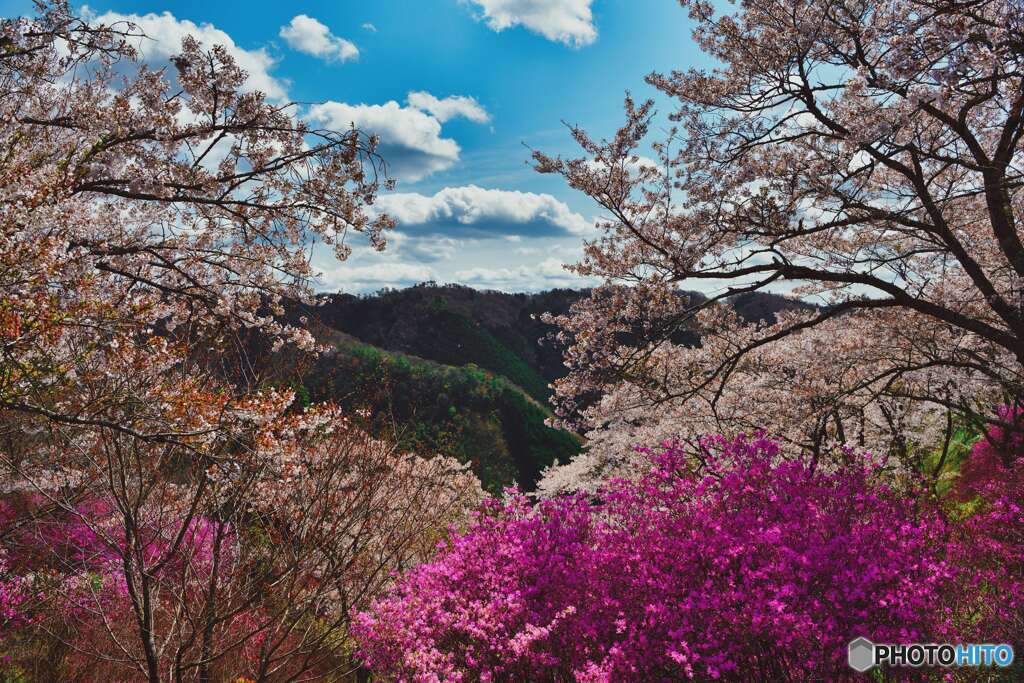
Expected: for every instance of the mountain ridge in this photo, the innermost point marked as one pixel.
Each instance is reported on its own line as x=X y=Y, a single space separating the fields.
x=459 y=371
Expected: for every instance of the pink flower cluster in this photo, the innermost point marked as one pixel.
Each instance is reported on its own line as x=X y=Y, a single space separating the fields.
x=989 y=539
x=14 y=594
x=85 y=548
x=90 y=538
x=752 y=566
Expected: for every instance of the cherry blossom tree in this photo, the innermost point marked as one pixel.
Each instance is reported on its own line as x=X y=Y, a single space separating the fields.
x=173 y=515
x=183 y=201
x=251 y=568
x=861 y=155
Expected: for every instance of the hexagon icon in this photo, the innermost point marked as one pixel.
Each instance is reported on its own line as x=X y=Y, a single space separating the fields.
x=861 y=655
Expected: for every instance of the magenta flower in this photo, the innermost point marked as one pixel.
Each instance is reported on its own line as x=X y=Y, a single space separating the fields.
x=753 y=566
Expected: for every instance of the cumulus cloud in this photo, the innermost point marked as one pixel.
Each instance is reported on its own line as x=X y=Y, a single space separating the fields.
x=346 y=277
x=163 y=36
x=449 y=107
x=472 y=211
x=374 y=273
x=525 y=278
x=566 y=21
x=411 y=141
x=307 y=35
x=430 y=249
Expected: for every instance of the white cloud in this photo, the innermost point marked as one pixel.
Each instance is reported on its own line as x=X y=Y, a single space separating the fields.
x=163 y=36
x=306 y=34
x=472 y=211
x=525 y=278
x=532 y=277
x=370 y=27
x=449 y=107
x=861 y=159
x=567 y=21
x=348 y=278
x=411 y=142
x=431 y=249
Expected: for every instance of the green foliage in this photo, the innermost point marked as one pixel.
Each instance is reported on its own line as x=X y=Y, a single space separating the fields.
x=481 y=347
x=457 y=325
x=467 y=412
x=13 y=674
x=945 y=471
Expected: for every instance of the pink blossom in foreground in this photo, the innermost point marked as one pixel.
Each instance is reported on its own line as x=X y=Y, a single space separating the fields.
x=753 y=566
x=990 y=538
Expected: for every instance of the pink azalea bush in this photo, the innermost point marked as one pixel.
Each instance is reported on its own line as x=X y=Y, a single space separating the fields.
x=75 y=557
x=990 y=536
x=753 y=566
x=89 y=539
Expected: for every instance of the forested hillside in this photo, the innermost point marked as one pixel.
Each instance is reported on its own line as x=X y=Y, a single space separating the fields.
x=459 y=371
x=474 y=415
x=456 y=325
x=502 y=332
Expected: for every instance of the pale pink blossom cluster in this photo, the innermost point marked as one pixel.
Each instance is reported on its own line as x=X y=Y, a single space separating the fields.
x=861 y=156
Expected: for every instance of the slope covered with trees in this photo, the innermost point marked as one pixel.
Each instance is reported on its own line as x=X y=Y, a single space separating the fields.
x=474 y=415
x=460 y=371
x=456 y=325
x=502 y=332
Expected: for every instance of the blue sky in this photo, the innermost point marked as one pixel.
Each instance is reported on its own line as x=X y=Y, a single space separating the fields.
x=458 y=91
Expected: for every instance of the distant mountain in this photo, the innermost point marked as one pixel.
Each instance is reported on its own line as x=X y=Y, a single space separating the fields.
x=465 y=411
x=456 y=325
x=500 y=332
x=755 y=306
x=459 y=371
